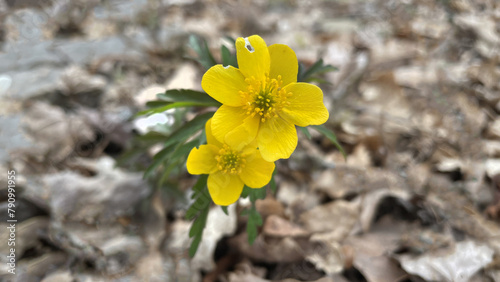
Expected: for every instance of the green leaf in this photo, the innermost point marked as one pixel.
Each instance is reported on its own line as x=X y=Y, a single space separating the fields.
x=196 y=231
x=246 y=191
x=178 y=98
x=156 y=104
x=199 y=223
x=201 y=183
x=194 y=246
x=176 y=105
x=183 y=150
x=187 y=130
x=201 y=197
x=330 y=135
x=306 y=132
x=257 y=194
x=199 y=45
x=228 y=59
x=317 y=68
x=224 y=209
x=200 y=206
x=186 y=95
x=152 y=137
x=254 y=220
x=167 y=171
x=158 y=159
x=202 y=139
x=254 y=193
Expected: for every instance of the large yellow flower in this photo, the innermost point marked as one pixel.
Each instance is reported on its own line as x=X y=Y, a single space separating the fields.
x=262 y=99
x=229 y=168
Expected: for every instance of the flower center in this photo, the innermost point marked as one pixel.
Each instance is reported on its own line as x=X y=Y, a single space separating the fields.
x=265 y=98
x=229 y=161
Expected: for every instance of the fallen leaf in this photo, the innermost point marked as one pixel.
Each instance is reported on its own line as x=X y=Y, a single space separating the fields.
x=276 y=226
x=460 y=263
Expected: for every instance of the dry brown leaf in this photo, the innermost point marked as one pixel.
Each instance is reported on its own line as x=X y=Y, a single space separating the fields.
x=372 y=251
x=336 y=218
x=154 y=268
x=271 y=250
x=276 y=226
x=370 y=202
x=460 y=263
x=327 y=255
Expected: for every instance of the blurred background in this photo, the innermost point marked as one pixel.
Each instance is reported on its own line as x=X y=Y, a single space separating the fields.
x=415 y=103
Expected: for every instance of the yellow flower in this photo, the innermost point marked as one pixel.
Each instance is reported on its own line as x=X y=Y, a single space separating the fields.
x=228 y=168
x=262 y=99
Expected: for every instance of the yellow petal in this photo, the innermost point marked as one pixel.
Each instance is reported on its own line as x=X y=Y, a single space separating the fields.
x=283 y=62
x=244 y=134
x=250 y=148
x=277 y=139
x=225 y=189
x=211 y=140
x=226 y=119
x=253 y=57
x=223 y=84
x=306 y=105
x=202 y=160
x=257 y=171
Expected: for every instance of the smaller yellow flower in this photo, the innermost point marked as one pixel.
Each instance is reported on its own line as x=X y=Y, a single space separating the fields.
x=229 y=169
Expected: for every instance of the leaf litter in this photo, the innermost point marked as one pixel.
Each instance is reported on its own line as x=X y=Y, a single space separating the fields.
x=415 y=103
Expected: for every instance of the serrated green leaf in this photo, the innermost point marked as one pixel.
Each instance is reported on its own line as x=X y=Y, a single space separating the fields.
x=158 y=159
x=184 y=149
x=254 y=220
x=199 y=45
x=156 y=104
x=202 y=201
x=201 y=197
x=194 y=246
x=331 y=136
x=201 y=183
x=185 y=95
x=196 y=230
x=166 y=172
x=199 y=223
x=228 y=59
x=306 y=132
x=246 y=191
x=317 y=68
x=178 y=136
x=176 y=105
x=257 y=194
x=187 y=130
x=224 y=209
x=152 y=137
x=202 y=139
x=251 y=231
x=254 y=193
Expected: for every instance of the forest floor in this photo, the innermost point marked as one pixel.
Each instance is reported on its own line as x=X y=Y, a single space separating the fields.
x=415 y=103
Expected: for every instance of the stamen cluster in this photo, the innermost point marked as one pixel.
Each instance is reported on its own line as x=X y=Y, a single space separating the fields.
x=265 y=98
x=229 y=161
